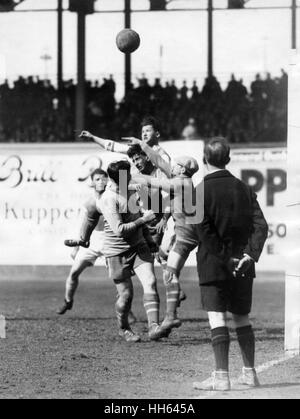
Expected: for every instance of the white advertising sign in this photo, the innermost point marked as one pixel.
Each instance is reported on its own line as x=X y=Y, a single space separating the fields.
x=43 y=188
x=265 y=171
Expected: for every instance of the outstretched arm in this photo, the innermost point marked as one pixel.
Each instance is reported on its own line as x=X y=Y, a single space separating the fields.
x=106 y=144
x=167 y=185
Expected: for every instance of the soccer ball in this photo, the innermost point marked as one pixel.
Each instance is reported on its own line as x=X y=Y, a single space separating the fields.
x=128 y=41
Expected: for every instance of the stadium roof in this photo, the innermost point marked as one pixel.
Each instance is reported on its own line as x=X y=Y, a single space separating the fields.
x=143 y=5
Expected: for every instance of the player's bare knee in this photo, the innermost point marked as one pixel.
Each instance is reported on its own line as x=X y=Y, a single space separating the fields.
x=153 y=285
x=150 y=285
x=149 y=279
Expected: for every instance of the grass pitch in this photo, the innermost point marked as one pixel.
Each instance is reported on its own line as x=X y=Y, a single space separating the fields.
x=79 y=355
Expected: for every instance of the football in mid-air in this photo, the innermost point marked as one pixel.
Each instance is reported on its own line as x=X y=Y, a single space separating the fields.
x=128 y=41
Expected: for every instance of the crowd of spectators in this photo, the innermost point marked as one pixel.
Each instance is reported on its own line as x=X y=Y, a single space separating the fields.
x=33 y=110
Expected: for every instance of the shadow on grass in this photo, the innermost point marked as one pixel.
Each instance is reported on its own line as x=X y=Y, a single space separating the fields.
x=187 y=341
x=278 y=385
x=272 y=331
x=265 y=387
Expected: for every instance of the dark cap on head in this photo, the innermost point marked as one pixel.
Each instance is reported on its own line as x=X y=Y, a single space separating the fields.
x=217 y=152
x=135 y=149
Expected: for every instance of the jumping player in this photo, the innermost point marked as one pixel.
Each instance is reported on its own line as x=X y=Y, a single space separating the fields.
x=150 y=133
x=179 y=182
x=83 y=258
x=158 y=200
x=127 y=251
x=150 y=198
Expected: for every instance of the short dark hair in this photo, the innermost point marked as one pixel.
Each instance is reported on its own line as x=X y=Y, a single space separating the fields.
x=135 y=149
x=98 y=172
x=114 y=169
x=150 y=120
x=217 y=152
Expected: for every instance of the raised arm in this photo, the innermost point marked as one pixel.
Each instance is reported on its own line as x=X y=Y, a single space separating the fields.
x=167 y=185
x=89 y=220
x=162 y=163
x=157 y=160
x=106 y=144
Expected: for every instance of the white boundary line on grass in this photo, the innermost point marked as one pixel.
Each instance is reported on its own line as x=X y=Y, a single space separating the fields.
x=259 y=369
x=270 y=364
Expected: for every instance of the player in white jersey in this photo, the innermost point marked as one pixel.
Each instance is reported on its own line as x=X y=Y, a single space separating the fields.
x=150 y=133
x=87 y=255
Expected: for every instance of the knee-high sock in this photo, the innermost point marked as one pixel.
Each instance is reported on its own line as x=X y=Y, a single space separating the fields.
x=172 y=291
x=220 y=343
x=151 y=304
x=246 y=340
x=71 y=287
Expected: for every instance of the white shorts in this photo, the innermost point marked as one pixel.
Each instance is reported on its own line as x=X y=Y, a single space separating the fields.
x=94 y=252
x=88 y=255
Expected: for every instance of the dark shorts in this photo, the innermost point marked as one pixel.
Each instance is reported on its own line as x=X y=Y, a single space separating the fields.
x=234 y=295
x=156 y=237
x=120 y=267
x=183 y=248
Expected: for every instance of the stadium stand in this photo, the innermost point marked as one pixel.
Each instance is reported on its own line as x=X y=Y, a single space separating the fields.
x=33 y=110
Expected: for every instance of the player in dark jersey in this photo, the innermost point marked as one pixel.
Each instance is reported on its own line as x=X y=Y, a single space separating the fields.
x=157 y=200
x=150 y=198
x=179 y=182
